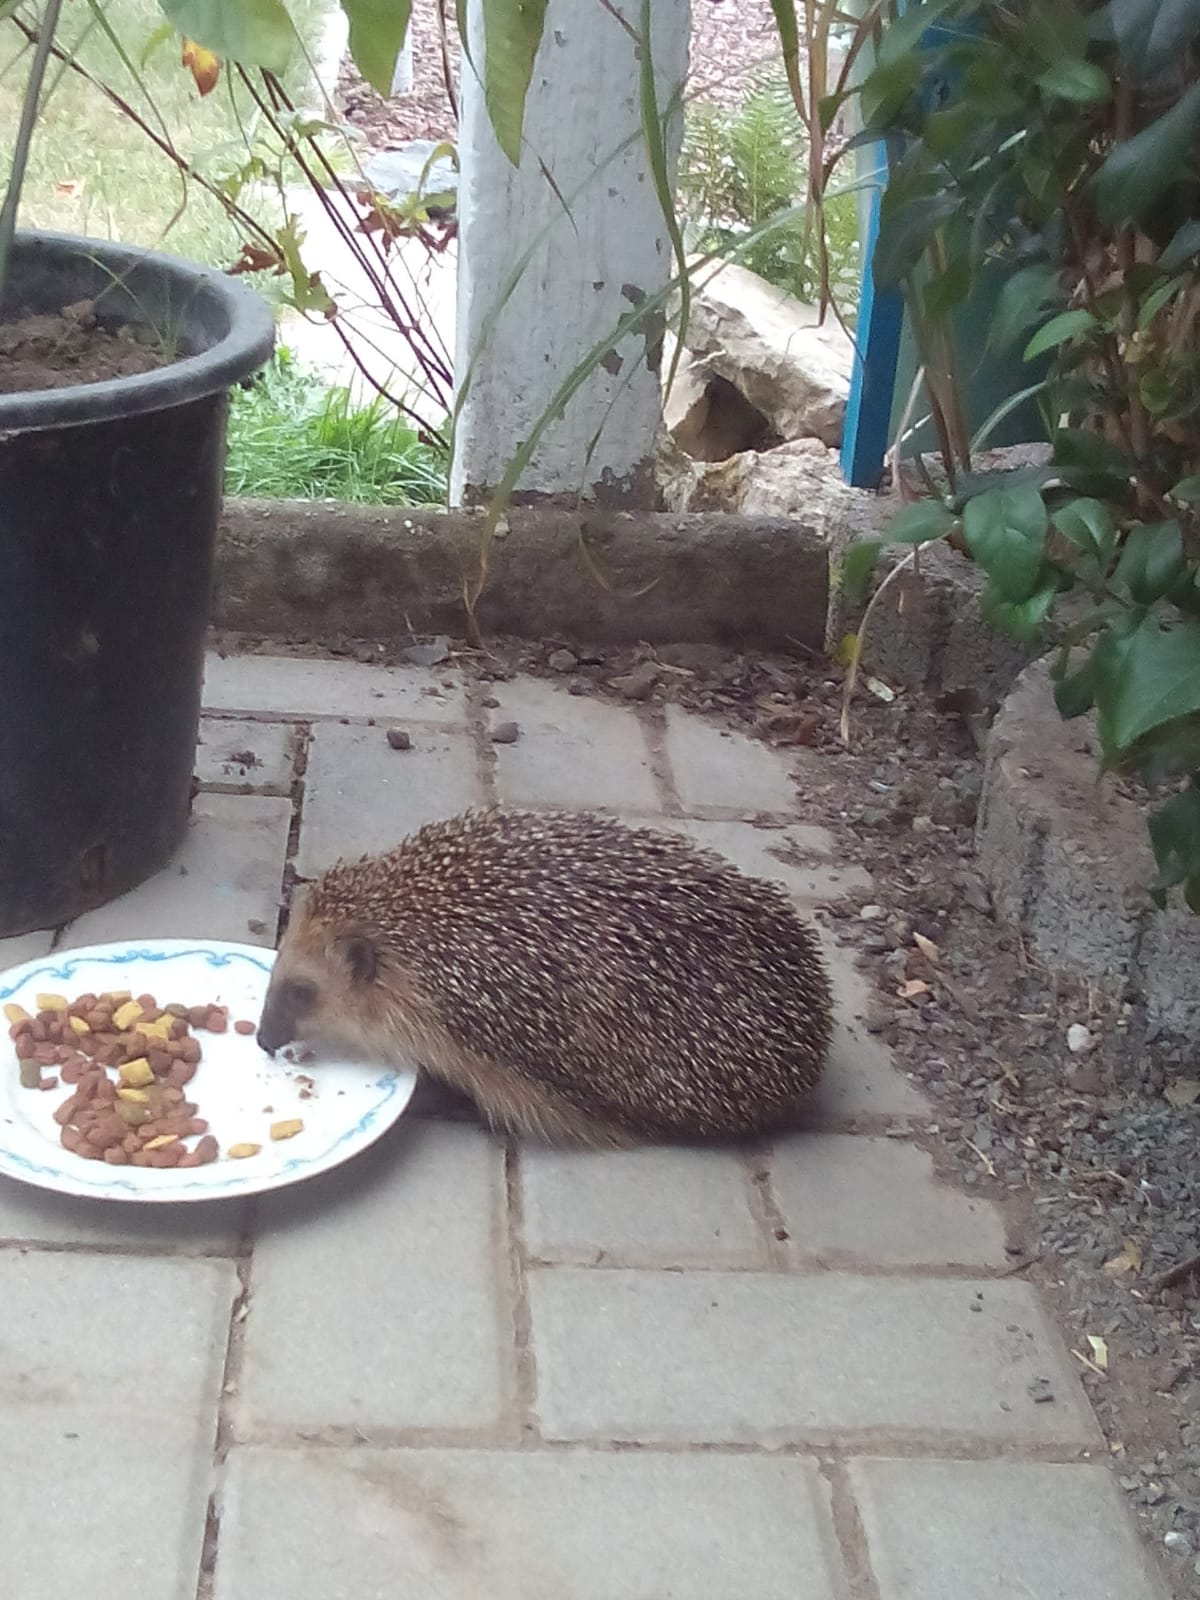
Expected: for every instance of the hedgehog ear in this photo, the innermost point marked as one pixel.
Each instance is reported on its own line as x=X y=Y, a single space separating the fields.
x=359 y=952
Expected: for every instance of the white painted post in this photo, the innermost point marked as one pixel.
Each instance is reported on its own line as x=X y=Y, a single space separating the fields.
x=588 y=269
x=402 y=77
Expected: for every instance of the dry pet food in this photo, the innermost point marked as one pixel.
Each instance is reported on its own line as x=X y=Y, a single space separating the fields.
x=142 y=1116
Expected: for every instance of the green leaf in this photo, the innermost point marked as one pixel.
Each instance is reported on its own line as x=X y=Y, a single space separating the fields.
x=1075 y=693
x=1153 y=34
x=1145 y=678
x=902 y=36
x=1187 y=489
x=858 y=565
x=920 y=522
x=377 y=29
x=789 y=37
x=1088 y=524
x=1138 y=171
x=1157 y=299
x=1175 y=837
x=1023 y=298
x=1067 y=325
x=1020 y=619
x=886 y=89
x=512 y=32
x=1151 y=561
x=254 y=33
x=1080 y=81
x=1182 y=248
x=906 y=228
x=154 y=43
x=1090 y=463
x=1006 y=533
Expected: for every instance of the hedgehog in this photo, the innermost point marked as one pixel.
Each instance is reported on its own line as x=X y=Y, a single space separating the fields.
x=582 y=981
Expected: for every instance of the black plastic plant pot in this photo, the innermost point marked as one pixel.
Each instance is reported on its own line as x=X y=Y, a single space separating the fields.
x=110 y=495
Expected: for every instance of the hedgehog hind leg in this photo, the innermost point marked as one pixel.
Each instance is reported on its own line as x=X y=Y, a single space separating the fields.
x=511 y=1102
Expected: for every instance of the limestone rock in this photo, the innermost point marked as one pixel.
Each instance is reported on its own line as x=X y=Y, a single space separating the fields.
x=767 y=347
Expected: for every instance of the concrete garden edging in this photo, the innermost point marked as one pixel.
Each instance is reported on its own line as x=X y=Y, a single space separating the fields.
x=293 y=569
x=1069 y=863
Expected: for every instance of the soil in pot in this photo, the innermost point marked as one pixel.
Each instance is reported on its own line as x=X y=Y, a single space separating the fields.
x=58 y=350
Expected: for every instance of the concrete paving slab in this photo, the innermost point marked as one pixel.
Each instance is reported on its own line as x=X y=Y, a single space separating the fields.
x=362 y=797
x=720 y=772
x=639 y=1208
x=25 y=947
x=245 y=756
x=38 y=1216
x=227 y=876
x=457 y=1525
x=302 y=688
x=855 y=1201
x=975 y=1530
x=379 y=1294
x=749 y=1358
x=573 y=751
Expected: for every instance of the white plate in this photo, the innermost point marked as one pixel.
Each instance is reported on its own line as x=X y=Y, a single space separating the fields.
x=351 y=1104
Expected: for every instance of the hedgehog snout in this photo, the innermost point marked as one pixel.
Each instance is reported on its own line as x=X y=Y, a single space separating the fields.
x=275 y=1027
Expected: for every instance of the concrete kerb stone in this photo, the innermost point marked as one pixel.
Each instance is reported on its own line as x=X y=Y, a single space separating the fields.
x=316 y=571
x=1069 y=863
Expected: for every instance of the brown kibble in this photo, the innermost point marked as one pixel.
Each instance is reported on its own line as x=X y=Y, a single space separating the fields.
x=244 y=1028
x=139 y=1158
x=147 y=1002
x=216 y=1022
x=166 y=1155
x=48 y=1083
x=160 y=1062
x=181 y=1073
x=198 y=1016
x=71 y=1071
x=69 y=1138
x=26 y=1047
x=116 y=1156
x=208 y=1149
x=194 y=1125
x=190 y=1051
x=191 y=1159
x=98 y=1021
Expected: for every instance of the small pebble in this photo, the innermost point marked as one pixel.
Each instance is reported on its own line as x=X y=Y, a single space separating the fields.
x=872 y=913
x=1080 y=1040
x=399 y=739
x=506 y=733
x=562 y=660
x=1177 y=1543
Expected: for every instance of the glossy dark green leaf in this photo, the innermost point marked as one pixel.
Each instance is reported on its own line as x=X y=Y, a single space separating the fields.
x=1187 y=489
x=1091 y=464
x=1138 y=171
x=906 y=228
x=1023 y=300
x=1153 y=34
x=1175 y=838
x=1080 y=81
x=1006 y=533
x=1151 y=561
x=1020 y=619
x=1088 y=524
x=1067 y=325
x=920 y=522
x=1146 y=678
x=1184 y=247
x=512 y=31
x=1075 y=693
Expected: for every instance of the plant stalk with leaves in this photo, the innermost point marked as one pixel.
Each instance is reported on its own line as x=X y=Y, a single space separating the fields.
x=1061 y=143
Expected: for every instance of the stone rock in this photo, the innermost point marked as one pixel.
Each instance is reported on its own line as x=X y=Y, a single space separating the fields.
x=506 y=733
x=397 y=173
x=638 y=684
x=768 y=347
x=562 y=661
x=787 y=481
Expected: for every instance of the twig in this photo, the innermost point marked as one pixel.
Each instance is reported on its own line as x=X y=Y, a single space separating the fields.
x=1177 y=1273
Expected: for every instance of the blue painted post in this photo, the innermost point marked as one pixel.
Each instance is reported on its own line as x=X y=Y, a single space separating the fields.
x=877 y=335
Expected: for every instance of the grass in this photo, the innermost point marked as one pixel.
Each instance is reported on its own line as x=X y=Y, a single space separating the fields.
x=91 y=172
x=292 y=438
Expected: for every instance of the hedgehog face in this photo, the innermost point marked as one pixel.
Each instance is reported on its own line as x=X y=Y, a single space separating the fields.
x=320 y=989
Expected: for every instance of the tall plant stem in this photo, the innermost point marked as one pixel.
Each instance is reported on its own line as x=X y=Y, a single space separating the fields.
x=29 y=112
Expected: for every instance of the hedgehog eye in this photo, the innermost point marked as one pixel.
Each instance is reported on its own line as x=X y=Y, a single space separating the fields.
x=298 y=995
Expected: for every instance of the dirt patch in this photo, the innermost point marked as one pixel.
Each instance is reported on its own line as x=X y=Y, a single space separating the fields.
x=1044 y=1098
x=732 y=40
x=60 y=350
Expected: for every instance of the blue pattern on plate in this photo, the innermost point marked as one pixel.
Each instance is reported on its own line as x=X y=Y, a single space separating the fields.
x=63 y=971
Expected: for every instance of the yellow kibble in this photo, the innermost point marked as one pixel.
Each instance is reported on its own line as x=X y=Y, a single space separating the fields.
x=156 y=1030
x=136 y=1074
x=78 y=1025
x=116 y=997
x=287 y=1129
x=239 y=1152
x=125 y=1016
x=163 y=1138
x=15 y=1013
x=53 y=1002
x=137 y=1097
